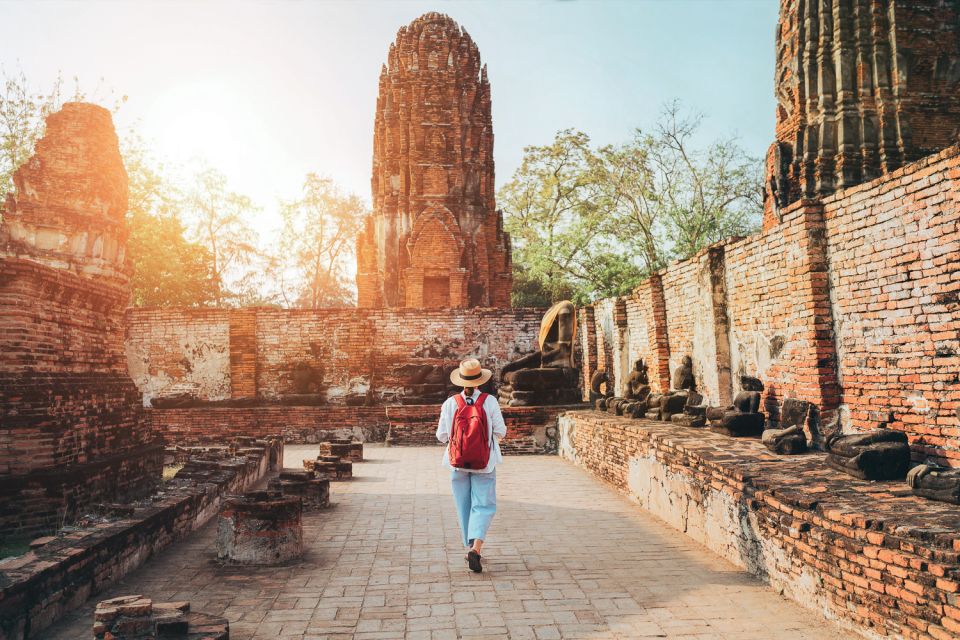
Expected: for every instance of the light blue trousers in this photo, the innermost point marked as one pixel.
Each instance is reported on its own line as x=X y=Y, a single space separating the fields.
x=475 y=495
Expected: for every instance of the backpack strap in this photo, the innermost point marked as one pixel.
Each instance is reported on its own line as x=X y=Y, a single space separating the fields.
x=461 y=403
x=479 y=403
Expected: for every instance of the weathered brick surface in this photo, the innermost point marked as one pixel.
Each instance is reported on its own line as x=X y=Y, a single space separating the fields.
x=587 y=339
x=435 y=238
x=894 y=250
x=862 y=89
x=38 y=588
x=849 y=303
x=210 y=425
x=780 y=317
x=694 y=292
x=646 y=323
x=71 y=429
x=176 y=350
x=867 y=554
x=359 y=351
x=529 y=429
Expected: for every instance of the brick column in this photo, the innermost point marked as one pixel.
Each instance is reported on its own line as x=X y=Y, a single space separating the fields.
x=243 y=353
x=659 y=356
x=588 y=346
x=815 y=377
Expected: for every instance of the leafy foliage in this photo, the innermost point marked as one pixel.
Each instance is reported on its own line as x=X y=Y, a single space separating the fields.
x=219 y=221
x=168 y=269
x=589 y=223
x=23 y=111
x=317 y=241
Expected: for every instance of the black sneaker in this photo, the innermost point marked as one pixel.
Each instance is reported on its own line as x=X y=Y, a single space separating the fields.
x=473 y=561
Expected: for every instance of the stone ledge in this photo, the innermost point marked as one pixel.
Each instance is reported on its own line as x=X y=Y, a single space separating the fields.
x=40 y=587
x=529 y=429
x=870 y=555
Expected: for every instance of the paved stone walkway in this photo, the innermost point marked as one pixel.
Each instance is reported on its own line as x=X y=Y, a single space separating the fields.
x=567 y=558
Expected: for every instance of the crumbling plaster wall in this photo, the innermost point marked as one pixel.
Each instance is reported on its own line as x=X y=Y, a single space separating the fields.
x=180 y=351
x=355 y=349
x=696 y=321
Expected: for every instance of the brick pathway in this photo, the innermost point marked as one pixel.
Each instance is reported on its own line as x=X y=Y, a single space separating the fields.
x=567 y=558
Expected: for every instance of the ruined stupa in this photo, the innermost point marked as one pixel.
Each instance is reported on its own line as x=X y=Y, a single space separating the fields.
x=435 y=238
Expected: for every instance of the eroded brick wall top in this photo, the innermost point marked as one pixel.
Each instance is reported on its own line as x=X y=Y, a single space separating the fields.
x=69 y=203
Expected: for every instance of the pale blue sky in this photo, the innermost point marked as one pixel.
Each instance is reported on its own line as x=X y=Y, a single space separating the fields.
x=268 y=91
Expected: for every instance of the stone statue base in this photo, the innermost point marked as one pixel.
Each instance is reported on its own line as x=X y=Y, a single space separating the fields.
x=935 y=483
x=882 y=454
x=739 y=425
x=540 y=386
x=689 y=420
x=785 y=442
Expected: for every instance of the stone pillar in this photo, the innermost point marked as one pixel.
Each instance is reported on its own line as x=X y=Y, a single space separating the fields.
x=260 y=528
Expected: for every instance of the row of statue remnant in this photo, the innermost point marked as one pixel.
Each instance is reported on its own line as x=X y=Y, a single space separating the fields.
x=880 y=454
x=682 y=404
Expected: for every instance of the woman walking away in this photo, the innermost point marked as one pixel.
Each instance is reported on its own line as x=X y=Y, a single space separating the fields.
x=472 y=426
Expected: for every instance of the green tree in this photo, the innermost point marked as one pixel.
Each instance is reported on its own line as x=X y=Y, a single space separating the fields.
x=703 y=195
x=168 y=270
x=23 y=111
x=219 y=218
x=559 y=231
x=317 y=240
x=594 y=223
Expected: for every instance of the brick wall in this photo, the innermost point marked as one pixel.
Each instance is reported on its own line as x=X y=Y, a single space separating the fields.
x=894 y=251
x=530 y=430
x=868 y=555
x=180 y=350
x=172 y=350
x=694 y=292
x=297 y=425
x=780 y=318
x=850 y=303
x=587 y=338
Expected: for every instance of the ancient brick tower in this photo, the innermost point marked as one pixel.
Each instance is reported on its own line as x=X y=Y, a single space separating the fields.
x=435 y=238
x=71 y=423
x=863 y=87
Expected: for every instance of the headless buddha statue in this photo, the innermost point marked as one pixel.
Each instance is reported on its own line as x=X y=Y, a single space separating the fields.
x=546 y=376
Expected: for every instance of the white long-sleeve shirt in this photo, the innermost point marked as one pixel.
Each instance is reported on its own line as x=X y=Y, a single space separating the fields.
x=494 y=422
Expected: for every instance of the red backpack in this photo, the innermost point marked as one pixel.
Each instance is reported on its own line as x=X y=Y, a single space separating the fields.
x=469 y=441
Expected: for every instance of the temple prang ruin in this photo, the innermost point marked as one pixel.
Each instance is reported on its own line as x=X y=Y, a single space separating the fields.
x=435 y=238
x=789 y=400
x=863 y=88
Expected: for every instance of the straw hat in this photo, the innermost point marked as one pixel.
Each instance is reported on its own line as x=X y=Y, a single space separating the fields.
x=470 y=374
